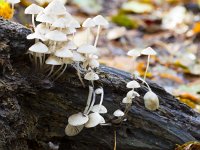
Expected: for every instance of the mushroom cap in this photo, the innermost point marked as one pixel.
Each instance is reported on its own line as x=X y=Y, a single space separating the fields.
x=93 y=63
x=99 y=91
x=102 y=109
x=73 y=130
x=148 y=51
x=88 y=23
x=56 y=35
x=127 y=100
x=87 y=49
x=67 y=61
x=118 y=113
x=78 y=57
x=60 y=23
x=91 y=76
x=42 y=29
x=36 y=35
x=116 y=33
x=100 y=20
x=94 y=119
x=74 y=24
x=102 y=120
x=151 y=101
x=64 y=53
x=13 y=1
x=39 y=47
x=33 y=9
x=133 y=84
x=53 y=60
x=78 y=119
x=70 y=30
x=132 y=94
x=56 y=7
x=71 y=45
x=134 y=53
x=42 y=17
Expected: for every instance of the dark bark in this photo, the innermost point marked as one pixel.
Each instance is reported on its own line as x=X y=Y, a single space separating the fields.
x=34 y=110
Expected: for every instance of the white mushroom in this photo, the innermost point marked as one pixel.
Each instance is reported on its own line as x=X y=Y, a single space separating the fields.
x=56 y=7
x=53 y=60
x=100 y=109
x=151 y=101
x=42 y=17
x=134 y=53
x=118 y=113
x=91 y=76
x=63 y=53
x=99 y=21
x=148 y=51
x=73 y=130
x=33 y=10
x=78 y=119
x=88 y=23
x=127 y=100
x=133 y=84
x=94 y=119
x=13 y=2
x=39 y=48
x=132 y=94
x=87 y=49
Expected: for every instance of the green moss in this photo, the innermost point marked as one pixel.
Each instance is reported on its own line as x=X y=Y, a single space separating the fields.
x=123 y=20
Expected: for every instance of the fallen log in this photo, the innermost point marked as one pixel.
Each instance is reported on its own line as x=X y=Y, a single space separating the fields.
x=34 y=110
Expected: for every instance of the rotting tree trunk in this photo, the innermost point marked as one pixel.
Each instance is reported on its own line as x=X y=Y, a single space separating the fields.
x=34 y=110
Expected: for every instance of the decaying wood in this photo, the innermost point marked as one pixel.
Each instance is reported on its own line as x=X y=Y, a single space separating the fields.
x=34 y=110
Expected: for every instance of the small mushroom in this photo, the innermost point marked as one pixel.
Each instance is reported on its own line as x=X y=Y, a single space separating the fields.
x=133 y=84
x=148 y=51
x=91 y=76
x=73 y=130
x=13 y=2
x=118 y=113
x=78 y=119
x=56 y=7
x=54 y=61
x=42 y=17
x=88 y=23
x=99 y=108
x=151 y=101
x=127 y=100
x=39 y=48
x=134 y=53
x=132 y=94
x=33 y=9
x=99 y=21
x=94 y=119
x=87 y=49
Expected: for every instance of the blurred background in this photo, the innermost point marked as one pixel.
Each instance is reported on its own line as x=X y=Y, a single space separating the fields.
x=171 y=27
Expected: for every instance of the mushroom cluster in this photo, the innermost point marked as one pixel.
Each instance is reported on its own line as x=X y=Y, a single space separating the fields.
x=54 y=43
x=151 y=100
x=55 y=46
x=90 y=117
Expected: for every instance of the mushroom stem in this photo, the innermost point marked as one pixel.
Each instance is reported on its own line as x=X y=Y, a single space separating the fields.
x=145 y=74
x=56 y=71
x=97 y=37
x=33 y=21
x=61 y=73
x=52 y=68
x=35 y=58
x=115 y=139
x=91 y=89
x=92 y=104
x=145 y=83
x=12 y=7
x=88 y=34
x=40 y=58
x=101 y=101
x=79 y=75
